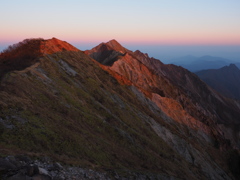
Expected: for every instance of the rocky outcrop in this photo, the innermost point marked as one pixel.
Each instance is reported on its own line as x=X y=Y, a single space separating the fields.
x=108 y=53
x=176 y=91
x=183 y=98
x=22 y=167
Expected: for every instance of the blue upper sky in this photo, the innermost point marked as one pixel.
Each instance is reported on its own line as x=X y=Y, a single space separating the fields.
x=134 y=23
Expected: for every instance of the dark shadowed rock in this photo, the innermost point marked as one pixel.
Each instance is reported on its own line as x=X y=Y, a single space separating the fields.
x=225 y=80
x=6 y=164
x=23 y=158
x=32 y=170
x=19 y=176
x=41 y=177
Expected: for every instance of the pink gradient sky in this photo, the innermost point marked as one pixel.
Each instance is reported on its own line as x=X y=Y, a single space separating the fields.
x=139 y=22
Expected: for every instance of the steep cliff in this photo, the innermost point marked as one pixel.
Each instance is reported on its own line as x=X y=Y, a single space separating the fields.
x=183 y=98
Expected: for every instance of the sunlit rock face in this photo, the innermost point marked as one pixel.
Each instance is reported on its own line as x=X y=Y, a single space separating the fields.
x=180 y=95
x=27 y=52
x=114 y=111
x=54 y=45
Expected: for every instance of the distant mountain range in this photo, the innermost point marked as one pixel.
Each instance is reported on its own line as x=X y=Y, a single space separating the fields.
x=225 y=80
x=195 y=64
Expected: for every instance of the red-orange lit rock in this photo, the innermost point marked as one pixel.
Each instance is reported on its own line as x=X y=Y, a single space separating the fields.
x=180 y=94
x=55 y=45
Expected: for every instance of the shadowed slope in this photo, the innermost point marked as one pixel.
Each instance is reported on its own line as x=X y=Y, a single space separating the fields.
x=225 y=80
x=107 y=53
x=182 y=97
x=171 y=81
x=20 y=56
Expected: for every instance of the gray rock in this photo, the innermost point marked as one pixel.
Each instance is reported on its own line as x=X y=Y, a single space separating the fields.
x=55 y=167
x=41 y=177
x=59 y=177
x=19 y=176
x=43 y=171
x=32 y=170
x=58 y=166
x=6 y=165
x=46 y=159
x=23 y=158
x=67 y=68
x=46 y=170
x=14 y=161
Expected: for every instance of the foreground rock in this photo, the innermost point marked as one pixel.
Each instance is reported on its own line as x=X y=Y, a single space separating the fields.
x=23 y=168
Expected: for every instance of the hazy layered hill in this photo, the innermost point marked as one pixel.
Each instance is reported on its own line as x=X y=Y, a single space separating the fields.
x=194 y=64
x=225 y=80
x=115 y=111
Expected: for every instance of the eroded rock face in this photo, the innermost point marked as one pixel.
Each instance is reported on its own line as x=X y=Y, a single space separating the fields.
x=181 y=96
x=200 y=104
x=176 y=91
x=108 y=53
x=131 y=112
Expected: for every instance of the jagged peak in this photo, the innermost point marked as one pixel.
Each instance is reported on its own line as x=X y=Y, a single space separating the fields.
x=230 y=67
x=115 y=45
x=107 y=53
x=139 y=53
x=233 y=66
x=111 y=45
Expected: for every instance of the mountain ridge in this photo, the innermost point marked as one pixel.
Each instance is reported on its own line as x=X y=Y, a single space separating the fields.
x=174 y=90
x=27 y=52
x=155 y=65
x=195 y=64
x=124 y=112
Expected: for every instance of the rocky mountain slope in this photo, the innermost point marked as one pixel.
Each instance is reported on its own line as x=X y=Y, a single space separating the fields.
x=225 y=80
x=126 y=113
x=179 y=94
x=171 y=82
